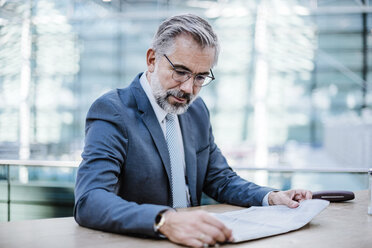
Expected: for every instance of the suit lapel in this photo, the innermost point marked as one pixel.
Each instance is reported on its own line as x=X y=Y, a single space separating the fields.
x=149 y=118
x=190 y=155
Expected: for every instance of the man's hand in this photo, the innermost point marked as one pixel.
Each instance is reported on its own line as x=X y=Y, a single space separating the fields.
x=290 y=198
x=194 y=228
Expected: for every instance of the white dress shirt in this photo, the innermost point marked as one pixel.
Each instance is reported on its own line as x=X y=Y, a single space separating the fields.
x=160 y=115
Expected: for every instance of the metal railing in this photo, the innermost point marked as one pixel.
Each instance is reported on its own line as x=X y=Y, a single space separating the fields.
x=304 y=169
x=40 y=163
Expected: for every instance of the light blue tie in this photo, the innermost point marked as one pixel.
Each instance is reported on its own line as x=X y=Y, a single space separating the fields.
x=176 y=159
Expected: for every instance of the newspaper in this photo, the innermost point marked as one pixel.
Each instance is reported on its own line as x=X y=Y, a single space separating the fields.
x=259 y=222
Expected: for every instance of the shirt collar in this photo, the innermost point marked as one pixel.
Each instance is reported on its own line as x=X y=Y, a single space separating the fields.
x=159 y=112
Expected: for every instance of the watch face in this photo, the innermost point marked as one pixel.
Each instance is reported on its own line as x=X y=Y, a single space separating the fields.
x=158 y=218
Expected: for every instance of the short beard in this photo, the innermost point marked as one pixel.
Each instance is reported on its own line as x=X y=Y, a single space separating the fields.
x=161 y=96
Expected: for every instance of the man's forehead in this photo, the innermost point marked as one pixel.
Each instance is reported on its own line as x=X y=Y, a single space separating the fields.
x=189 y=53
x=185 y=41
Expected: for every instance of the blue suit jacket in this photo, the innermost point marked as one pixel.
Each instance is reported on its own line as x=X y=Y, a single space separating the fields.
x=123 y=181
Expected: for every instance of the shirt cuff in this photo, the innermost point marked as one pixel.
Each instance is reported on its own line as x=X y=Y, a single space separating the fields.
x=265 y=200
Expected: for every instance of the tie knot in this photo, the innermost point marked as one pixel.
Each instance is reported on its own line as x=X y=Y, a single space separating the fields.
x=170 y=117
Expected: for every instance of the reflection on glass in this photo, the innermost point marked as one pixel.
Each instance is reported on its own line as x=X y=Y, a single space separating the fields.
x=287 y=71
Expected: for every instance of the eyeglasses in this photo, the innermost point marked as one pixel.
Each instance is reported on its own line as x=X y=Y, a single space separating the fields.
x=182 y=76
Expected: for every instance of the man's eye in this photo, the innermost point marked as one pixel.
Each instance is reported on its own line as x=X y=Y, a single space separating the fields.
x=200 y=77
x=181 y=73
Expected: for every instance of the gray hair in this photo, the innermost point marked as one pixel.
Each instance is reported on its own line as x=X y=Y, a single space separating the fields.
x=174 y=26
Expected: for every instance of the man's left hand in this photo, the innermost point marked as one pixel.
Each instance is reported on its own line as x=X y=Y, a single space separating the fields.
x=290 y=198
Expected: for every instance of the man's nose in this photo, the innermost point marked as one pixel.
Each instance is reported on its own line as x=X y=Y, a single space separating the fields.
x=188 y=85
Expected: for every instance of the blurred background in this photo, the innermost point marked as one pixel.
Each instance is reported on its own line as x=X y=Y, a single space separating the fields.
x=290 y=106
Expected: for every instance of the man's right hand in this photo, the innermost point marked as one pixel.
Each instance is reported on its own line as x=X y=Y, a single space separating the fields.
x=194 y=228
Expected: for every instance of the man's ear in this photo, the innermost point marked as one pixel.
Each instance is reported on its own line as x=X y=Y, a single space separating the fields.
x=150 y=60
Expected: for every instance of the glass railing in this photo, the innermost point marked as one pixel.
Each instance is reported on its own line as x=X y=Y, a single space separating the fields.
x=314 y=179
x=36 y=189
x=45 y=189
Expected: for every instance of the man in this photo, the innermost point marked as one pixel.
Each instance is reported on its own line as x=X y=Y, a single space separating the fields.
x=149 y=148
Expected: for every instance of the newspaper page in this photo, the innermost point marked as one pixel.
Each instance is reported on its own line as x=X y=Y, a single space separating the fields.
x=259 y=222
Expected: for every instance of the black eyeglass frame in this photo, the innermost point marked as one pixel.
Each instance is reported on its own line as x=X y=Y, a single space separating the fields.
x=190 y=74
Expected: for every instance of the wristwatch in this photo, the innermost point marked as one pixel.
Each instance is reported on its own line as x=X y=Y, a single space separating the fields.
x=159 y=221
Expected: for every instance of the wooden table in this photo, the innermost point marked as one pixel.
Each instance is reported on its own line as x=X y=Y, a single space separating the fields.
x=340 y=225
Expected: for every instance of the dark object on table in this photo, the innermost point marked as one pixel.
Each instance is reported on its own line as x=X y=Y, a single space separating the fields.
x=334 y=195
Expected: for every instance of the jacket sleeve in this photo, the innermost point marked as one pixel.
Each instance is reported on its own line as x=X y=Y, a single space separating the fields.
x=224 y=185
x=97 y=204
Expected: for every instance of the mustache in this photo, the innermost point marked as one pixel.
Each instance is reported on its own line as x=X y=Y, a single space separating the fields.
x=179 y=94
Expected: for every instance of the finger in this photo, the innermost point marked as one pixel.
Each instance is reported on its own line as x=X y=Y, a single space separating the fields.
x=206 y=239
x=194 y=243
x=287 y=199
x=302 y=195
x=292 y=204
x=306 y=194
x=214 y=233
x=300 y=199
x=297 y=198
x=211 y=220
